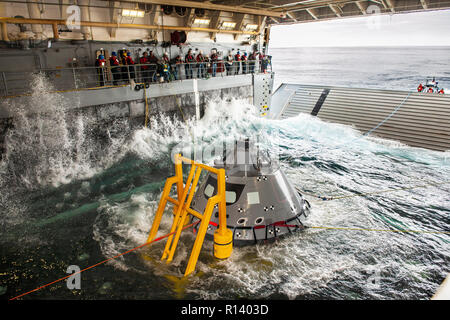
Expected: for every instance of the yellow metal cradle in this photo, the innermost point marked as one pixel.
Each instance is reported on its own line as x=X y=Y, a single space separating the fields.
x=182 y=210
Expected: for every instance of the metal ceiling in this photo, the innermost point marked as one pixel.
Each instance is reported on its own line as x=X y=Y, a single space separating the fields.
x=289 y=11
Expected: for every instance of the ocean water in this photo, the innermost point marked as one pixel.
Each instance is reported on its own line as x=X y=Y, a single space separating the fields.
x=70 y=198
x=396 y=68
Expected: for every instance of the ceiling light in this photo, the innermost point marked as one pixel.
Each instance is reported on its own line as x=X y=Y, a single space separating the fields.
x=251 y=26
x=133 y=13
x=228 y=24
x=201 y=21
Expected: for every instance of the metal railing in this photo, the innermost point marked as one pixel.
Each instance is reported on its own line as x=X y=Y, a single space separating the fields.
x=69 y=79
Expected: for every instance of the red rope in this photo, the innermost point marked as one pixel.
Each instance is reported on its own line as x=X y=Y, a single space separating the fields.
x=104 y=261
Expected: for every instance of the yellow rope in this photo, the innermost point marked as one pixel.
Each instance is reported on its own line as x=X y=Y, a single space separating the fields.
x=146 y=106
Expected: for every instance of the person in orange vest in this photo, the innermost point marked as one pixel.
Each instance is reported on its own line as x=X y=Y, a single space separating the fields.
x=100 y=63
x=229 y=63
x=164 y=67
x=252 y=60
x=145 y=73
x=178 y=63
x=114 y=63
x=441 y=91
x=200 y=64
x=165 y=58
x=189 y=60
x=420 y=88
x=237 y=64
x=244 y=62
x=130 y=63
x=214 y=58
x=153 y=61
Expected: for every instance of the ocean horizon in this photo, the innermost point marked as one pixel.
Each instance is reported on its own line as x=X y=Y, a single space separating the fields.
x=376 y=67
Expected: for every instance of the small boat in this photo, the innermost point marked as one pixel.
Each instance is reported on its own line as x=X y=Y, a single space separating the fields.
x=431 y=86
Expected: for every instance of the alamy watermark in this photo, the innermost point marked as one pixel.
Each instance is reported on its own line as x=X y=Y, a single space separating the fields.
x=74 y=281
x=248 y=150
x=373 y=282
x=73 y=21
x=374 y=19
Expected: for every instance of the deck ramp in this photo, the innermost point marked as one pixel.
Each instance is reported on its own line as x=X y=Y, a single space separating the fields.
x=416 y=119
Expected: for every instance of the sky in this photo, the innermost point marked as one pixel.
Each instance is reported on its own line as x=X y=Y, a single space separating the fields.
x=411 y=29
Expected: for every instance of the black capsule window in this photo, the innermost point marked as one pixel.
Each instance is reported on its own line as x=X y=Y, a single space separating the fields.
x=232 y=190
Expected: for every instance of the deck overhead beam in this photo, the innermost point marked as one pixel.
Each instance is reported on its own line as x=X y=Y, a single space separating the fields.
x=336 y=9
x=424 y=4
x=54 y=22
x=239 y=24
x=390 y=4
x=211 y=6
x=189 y=19
x=114 y=13
x=214 y=24
x=312 y=13
x=311 y=4
x=290 y=15
x=360 y=7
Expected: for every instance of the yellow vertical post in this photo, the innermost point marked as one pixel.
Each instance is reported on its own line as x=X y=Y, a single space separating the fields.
x=222 y=202
x=223 y=237
x=179 y=175
x=4 y=31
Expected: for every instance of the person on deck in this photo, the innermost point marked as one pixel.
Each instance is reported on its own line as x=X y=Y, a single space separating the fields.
x=237 y=63
x=252 y=61
x=244 y=62
x=178 y=63
x=153 y=61
x=229 y=64
x=214 y=57
x=200 y=65
x=145 y=74
x=165 y=67
x=130 y=64
x=115 y=69
x=100 y=63
x=188 y=67
x=420 y=88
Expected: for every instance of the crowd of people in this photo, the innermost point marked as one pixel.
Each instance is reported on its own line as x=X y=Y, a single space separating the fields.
x=166 y=69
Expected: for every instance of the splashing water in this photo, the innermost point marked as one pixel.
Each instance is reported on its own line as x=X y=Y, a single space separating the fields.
x=79 y=201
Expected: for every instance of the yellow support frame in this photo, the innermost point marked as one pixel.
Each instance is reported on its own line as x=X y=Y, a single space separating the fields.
x=182 y=209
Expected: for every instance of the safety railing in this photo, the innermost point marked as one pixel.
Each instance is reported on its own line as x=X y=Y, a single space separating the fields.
x=66 y=79
x=223 y=243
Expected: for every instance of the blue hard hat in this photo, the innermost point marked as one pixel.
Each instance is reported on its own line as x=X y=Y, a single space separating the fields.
x=114 y=53
x=245 y=53
x=101 y=56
